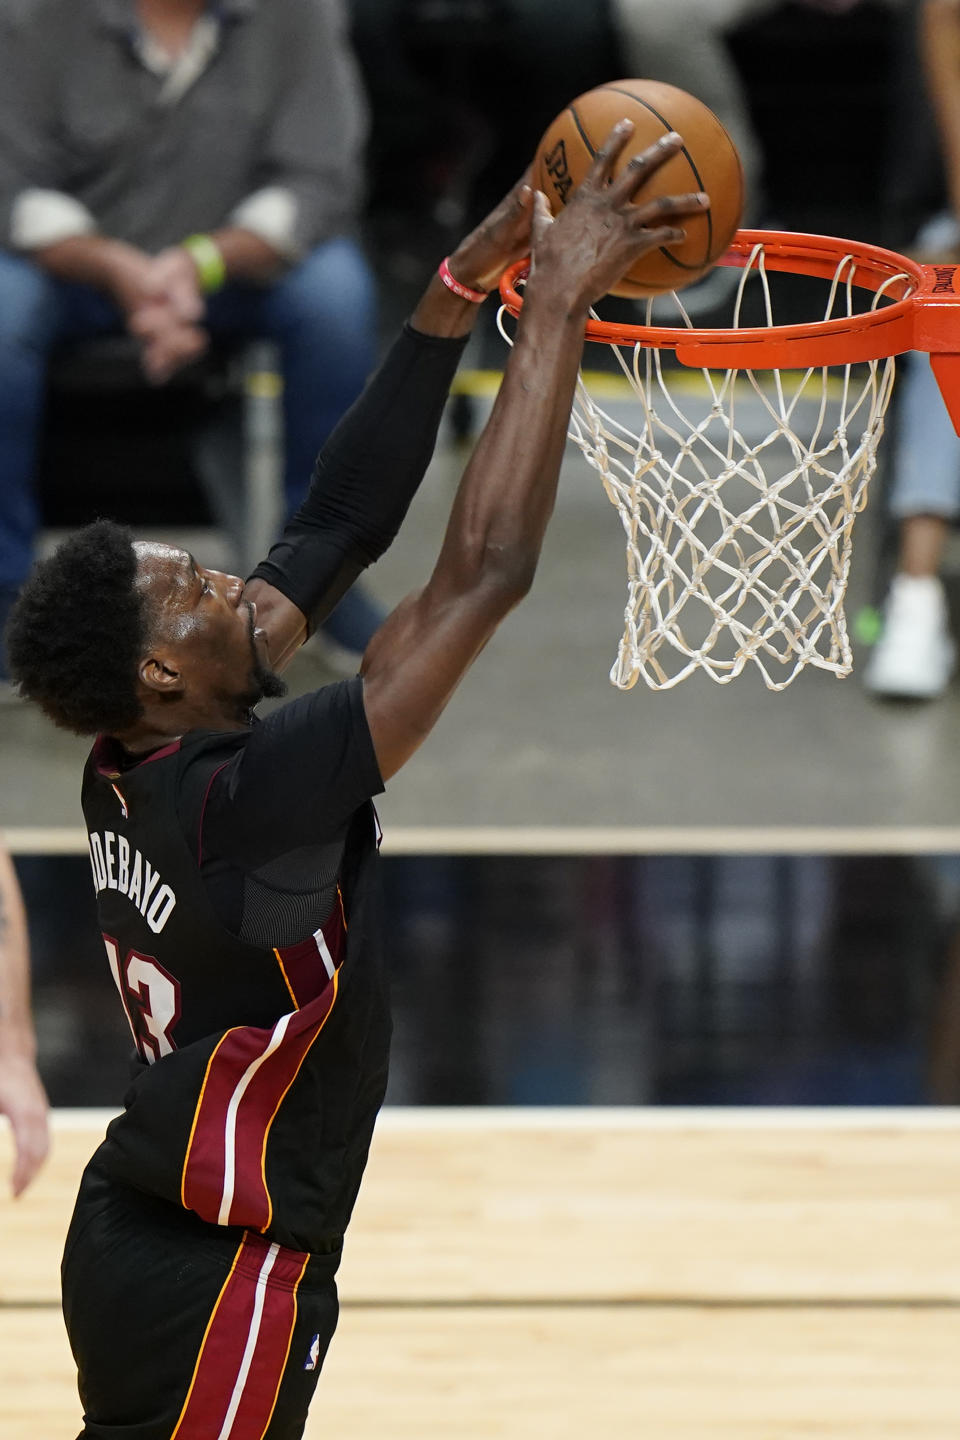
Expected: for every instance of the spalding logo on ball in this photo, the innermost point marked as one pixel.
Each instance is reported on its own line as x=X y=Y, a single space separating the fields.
x=708 y=161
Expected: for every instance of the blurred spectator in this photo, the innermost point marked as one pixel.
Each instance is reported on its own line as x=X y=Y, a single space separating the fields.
x=915 y=655
x=182 y=171
x=684 y=43
x=461 y=92
x=22 y=1098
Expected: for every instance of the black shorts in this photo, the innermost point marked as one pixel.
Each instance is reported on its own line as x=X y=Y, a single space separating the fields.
x=180 y=1329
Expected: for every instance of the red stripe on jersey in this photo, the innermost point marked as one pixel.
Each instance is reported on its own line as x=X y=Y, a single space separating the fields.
x=248 y=1075
x=306 y=965
x=244 y=1351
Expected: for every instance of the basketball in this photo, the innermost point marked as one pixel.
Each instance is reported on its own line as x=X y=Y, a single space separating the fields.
x=708 y=161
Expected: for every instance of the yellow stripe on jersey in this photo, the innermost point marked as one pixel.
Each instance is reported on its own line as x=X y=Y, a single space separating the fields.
x=286 y=979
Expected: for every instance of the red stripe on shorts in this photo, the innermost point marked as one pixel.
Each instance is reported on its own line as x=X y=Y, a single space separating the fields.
x=244 y=1351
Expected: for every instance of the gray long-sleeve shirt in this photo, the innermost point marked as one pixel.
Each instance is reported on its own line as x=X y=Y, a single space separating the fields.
x=261 y=123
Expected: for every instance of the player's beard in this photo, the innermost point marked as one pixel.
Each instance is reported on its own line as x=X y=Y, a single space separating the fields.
x=268 y=683
x=264 y=683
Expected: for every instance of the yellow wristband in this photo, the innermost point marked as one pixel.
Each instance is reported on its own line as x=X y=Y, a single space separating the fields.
x=211 y=269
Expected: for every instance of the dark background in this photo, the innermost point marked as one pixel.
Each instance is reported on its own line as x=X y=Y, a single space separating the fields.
x=539 y=980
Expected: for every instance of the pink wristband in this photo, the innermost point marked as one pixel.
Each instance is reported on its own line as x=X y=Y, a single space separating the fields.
x=464 y=291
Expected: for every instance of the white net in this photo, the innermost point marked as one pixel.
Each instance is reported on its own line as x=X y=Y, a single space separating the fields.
x=737 y=500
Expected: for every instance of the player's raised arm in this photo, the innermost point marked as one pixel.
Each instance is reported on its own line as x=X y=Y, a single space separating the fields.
x=496 y=528
x=370 y=468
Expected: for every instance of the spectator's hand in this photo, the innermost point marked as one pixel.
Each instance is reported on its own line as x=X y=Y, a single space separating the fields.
x=129 y=278
x=499 y=240
x=167 y=343
x=148 y=293
x=174 y=274
x=23 y=1101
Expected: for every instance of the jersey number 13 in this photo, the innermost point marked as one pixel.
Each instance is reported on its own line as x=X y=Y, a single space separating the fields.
x=150 y=996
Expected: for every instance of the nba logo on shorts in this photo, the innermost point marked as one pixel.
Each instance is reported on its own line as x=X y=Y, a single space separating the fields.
x=313 y=1358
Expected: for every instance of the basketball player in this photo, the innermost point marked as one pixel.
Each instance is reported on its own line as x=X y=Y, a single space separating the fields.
x=234 y=861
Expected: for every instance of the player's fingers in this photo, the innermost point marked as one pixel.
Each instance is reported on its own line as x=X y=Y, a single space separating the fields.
x=663 y=208
x=664 y=235
x=516 y=217
x=525 y=198
x=640 y=167
x=606 y=157
x=523 y=185
x=542 y=218
x=513 y=209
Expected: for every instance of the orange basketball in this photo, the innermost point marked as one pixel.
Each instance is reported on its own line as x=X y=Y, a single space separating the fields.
x=708 y=161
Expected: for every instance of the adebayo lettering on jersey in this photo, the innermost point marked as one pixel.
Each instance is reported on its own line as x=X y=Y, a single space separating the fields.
x=117 y=866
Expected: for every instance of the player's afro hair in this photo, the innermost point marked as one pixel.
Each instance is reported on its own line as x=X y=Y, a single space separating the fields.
x=77 y=632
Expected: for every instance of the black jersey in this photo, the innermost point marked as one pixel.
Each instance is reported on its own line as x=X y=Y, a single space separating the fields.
x=261 y=1067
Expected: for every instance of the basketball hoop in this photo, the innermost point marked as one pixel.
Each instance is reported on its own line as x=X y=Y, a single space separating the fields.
x=739 y=540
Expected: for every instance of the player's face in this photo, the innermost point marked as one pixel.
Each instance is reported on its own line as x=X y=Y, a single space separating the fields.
x=199 y=618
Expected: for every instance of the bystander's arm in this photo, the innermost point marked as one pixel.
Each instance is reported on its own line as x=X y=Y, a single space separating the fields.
x=22 y=1097
x=940 y=50
x=246 y=255
x=170 y=337
x=120 y=270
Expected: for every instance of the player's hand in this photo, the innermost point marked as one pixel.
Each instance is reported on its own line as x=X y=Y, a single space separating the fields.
x=499 y=240
x=23 y=1101
x=605 y=226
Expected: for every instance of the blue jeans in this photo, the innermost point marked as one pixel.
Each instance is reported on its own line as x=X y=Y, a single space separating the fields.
x=320 y=315
x=926 y=459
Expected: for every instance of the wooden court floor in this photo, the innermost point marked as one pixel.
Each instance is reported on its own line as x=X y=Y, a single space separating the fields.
x=764 y=1275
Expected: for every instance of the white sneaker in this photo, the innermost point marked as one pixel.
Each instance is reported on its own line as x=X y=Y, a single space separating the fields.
x=914 y=656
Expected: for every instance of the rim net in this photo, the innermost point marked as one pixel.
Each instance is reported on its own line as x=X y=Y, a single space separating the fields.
x=737 y=500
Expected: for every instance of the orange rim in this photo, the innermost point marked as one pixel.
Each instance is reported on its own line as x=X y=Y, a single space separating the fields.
x=924 y=313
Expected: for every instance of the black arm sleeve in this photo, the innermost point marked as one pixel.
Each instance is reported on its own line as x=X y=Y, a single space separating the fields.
x=365 y=476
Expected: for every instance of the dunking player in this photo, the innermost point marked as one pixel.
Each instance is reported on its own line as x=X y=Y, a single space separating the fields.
x=233 y=861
